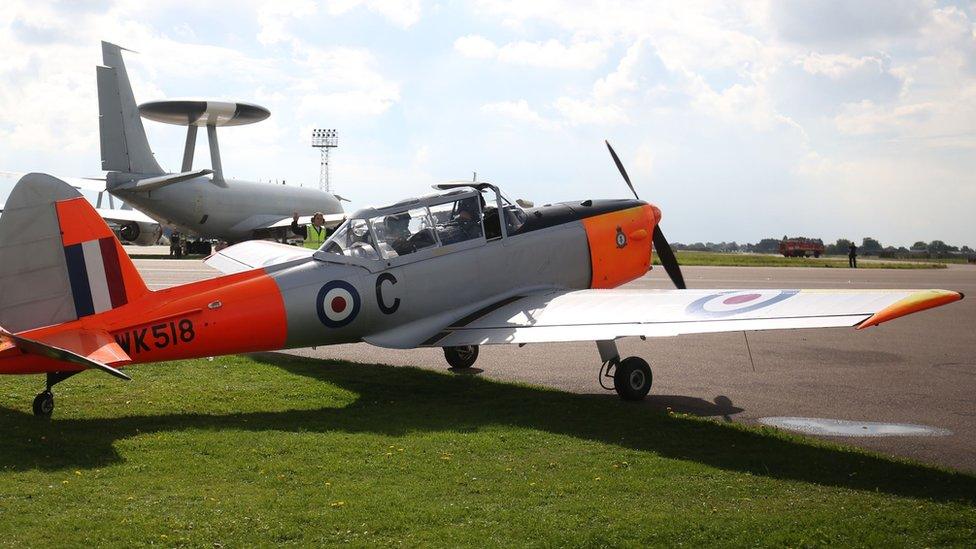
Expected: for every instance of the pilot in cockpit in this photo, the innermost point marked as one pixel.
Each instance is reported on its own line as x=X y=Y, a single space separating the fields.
x=466 y=222
x=467 y=210
x=397 y=232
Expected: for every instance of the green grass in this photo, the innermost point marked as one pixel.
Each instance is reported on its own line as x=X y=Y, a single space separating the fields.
x=715 y=259
x=272 y=449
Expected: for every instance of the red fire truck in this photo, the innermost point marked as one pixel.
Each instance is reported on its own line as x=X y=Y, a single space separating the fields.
x=801 y=247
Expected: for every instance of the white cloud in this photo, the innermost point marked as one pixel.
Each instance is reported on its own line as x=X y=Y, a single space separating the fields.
x=774 y=101
x=517 y=111
x=625 y=77
x=475 y=46
x=273 y=17
x=553 y=54
x=842 y=22
x=548 y=54
x=582 y=111
x=836 y=66
x=403 y=13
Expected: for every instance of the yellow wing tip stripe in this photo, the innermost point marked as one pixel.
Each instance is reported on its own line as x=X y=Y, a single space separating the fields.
x=918 y=301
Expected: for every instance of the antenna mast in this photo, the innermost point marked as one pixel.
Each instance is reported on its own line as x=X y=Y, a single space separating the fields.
x=324 y=140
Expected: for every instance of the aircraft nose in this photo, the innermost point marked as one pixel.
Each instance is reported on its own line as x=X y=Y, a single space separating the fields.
x=657 y=214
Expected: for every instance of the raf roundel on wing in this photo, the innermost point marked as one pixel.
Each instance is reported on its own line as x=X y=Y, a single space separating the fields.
x=734 y=302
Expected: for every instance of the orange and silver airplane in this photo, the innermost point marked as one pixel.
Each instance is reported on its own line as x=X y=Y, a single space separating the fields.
x=457 y=269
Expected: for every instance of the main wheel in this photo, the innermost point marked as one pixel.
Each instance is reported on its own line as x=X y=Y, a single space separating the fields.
x=461 y=357
x=44 y=404
x=632 y=378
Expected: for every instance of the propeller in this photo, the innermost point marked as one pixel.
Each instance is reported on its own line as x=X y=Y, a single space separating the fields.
x=660 y=242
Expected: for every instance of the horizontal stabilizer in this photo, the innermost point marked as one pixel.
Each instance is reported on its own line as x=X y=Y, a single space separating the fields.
x=254 y=254
x=123 y=215
x=331 y=221
x=96 y=345
x=153 y=183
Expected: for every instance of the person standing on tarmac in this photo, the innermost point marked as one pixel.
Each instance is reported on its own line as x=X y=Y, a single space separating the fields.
x=315 y=233
x=852 y=256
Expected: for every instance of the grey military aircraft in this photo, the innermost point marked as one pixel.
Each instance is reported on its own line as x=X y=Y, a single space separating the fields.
x=200 y=202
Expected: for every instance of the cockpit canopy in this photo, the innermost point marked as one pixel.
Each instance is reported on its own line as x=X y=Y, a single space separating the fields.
x=468 y=213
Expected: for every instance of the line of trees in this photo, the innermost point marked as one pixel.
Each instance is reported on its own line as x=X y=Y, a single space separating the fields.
x=868 y=246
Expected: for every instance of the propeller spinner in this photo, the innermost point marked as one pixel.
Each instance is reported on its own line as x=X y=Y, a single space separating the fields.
x=660 y=242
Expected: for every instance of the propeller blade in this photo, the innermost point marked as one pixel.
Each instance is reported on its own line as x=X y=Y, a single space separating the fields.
x=620 y=166
x=668 y=260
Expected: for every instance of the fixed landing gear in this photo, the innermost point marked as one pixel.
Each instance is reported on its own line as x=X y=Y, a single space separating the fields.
x=461 y=357
x=44 y=401
x=44 y=404
x=632 y=377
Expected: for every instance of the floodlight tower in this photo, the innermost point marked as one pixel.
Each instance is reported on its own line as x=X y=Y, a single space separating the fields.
x=324 y=140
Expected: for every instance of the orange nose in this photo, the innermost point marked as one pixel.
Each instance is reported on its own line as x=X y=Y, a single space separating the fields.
x=620 y=250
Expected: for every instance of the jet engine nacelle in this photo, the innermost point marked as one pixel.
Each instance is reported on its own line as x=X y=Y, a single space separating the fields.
x=138 y=232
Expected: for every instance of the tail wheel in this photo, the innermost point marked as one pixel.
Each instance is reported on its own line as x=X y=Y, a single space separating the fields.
x=632 y=378
x=44 y=404
x=461 y=357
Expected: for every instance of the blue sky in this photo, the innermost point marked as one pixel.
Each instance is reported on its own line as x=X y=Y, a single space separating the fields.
x=740 y=120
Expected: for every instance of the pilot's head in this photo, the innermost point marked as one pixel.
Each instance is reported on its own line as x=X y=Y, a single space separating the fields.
x=468 y=209
x=397 y=225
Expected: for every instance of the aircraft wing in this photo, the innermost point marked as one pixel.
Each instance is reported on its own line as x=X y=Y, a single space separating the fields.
x=590 y=315
x=123 y=216
x=331 y=221
x=253 y=254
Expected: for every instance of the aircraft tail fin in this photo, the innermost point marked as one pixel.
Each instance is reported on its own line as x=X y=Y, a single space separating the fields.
x=59 y=261
x=124 y=145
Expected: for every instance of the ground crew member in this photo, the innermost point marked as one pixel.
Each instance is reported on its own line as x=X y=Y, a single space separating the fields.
x=852 y=256
x=315 y=233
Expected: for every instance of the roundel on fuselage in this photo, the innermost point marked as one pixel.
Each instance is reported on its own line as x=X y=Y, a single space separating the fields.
x=337 y=303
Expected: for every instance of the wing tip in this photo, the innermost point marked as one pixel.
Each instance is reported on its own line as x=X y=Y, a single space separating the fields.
x=918 y=301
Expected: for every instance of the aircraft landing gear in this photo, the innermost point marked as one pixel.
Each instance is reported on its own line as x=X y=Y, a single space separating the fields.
x=44 y=401
x=44 y=404
x=632 y=377
x=461 y=357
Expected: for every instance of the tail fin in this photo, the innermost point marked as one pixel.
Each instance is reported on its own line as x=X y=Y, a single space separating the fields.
x=123 y=138
x=58 y=260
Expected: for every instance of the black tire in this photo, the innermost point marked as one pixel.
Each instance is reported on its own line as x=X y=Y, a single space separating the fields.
x=461 y=357
x=632 y=378
x=44 y=404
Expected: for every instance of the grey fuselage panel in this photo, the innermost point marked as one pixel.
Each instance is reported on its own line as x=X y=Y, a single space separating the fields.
x=439 y=282
x=199 y=207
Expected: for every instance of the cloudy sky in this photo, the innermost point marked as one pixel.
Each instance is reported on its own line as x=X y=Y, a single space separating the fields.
x=741 y=120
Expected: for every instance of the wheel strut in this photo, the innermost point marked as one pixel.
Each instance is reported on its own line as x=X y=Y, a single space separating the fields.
x=44 y=401
x=631 y=376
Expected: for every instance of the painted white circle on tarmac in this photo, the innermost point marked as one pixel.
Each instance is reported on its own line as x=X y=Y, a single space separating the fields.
x=846 y=428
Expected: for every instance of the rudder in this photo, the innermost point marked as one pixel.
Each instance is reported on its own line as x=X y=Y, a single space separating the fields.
x=124 y=145
x=59 y=261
